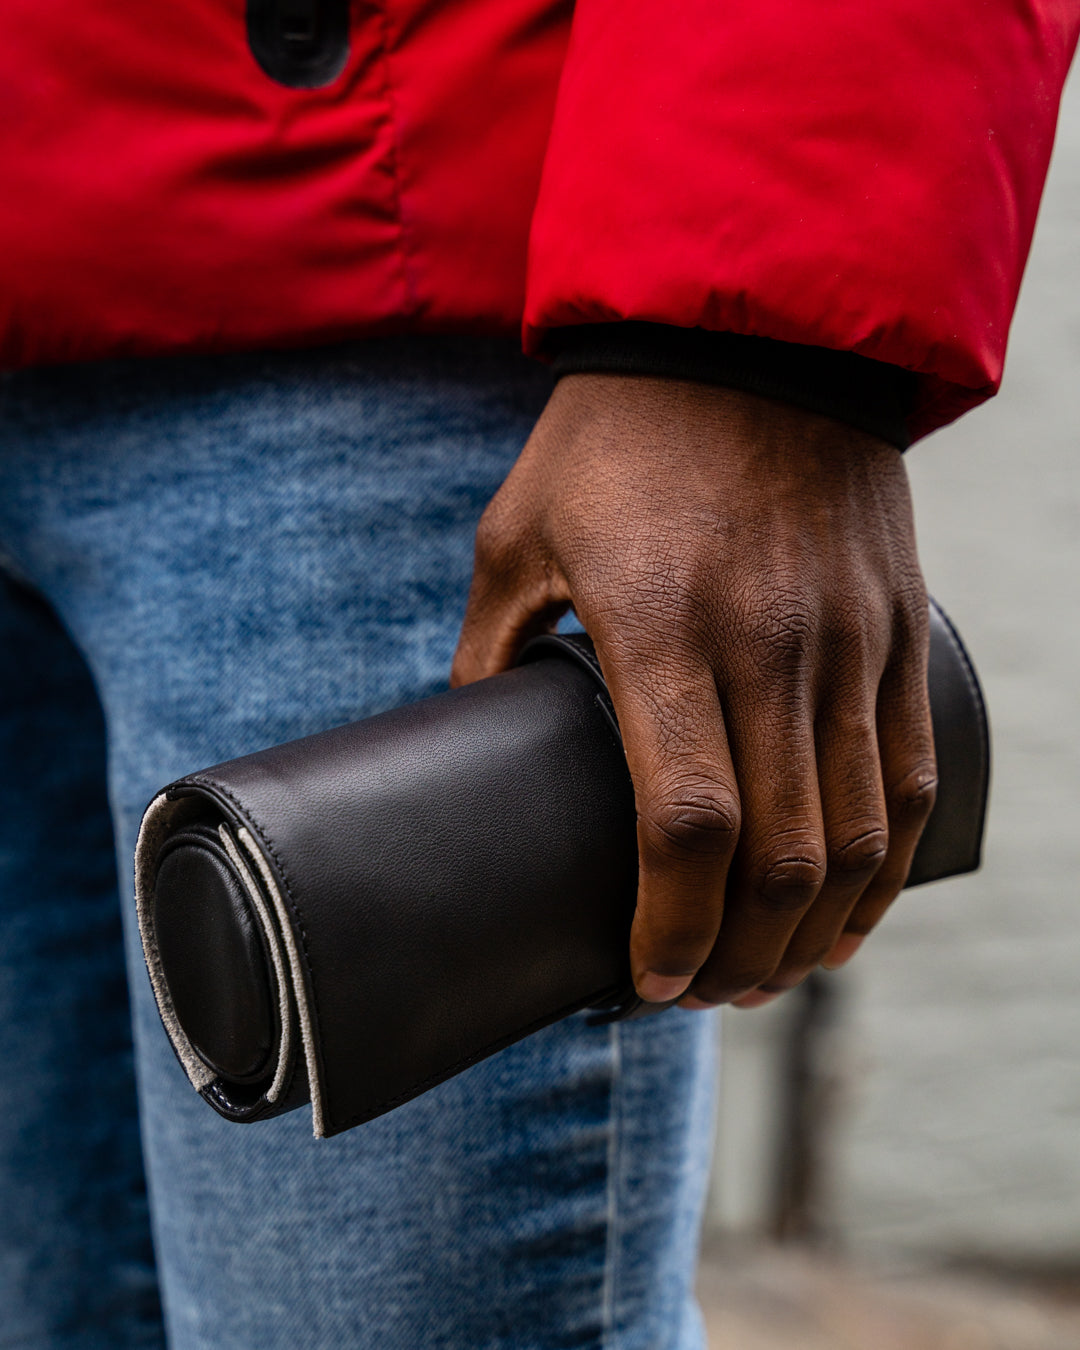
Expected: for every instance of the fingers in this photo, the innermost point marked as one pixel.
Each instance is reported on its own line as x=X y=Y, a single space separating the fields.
x=909 y=774
x=688 y=811
x=781 y=865
x=876 y=776
x=856 y=831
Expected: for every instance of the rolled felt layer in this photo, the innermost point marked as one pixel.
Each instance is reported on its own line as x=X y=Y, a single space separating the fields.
x=351 y=918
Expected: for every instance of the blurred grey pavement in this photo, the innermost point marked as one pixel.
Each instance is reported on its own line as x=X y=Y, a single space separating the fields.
x=769 y=1299
x=952 y=1067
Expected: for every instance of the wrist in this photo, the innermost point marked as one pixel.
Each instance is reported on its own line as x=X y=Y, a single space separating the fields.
x=868 y=395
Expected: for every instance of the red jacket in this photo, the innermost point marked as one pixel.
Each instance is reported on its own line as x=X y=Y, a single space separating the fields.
x=861 y=175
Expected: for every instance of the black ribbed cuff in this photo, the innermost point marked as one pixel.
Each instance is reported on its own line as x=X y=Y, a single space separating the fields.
x=872 y=395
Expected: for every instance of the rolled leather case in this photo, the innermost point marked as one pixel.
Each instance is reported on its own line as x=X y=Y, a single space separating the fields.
x=351 y=918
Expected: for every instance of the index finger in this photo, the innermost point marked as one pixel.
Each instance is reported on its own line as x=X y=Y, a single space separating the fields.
x=688 y=814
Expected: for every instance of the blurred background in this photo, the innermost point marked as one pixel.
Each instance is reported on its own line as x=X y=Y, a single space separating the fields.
x=898 y=1156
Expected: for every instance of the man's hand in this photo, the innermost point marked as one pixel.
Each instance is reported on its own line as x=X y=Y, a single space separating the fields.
x=749 y=576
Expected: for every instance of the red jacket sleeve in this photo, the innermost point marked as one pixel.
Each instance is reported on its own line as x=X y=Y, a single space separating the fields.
x=850 y=175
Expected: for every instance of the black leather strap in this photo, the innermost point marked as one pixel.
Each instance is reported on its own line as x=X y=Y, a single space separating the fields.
x=951 y=843
x=354 y=917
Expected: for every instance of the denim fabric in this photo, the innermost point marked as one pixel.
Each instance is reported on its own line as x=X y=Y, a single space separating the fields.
x=239 y=551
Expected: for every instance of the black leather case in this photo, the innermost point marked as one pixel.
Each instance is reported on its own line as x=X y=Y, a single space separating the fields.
x=351 y=918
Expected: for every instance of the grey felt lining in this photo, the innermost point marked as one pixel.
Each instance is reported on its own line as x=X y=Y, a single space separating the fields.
x=161 y=818
x=299 y=987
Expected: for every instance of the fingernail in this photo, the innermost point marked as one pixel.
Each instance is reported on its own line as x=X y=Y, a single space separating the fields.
x=844 y=950
x=655 y=988
x=757 y=998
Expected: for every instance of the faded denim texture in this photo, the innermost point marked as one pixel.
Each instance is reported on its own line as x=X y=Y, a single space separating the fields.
x=229 y=553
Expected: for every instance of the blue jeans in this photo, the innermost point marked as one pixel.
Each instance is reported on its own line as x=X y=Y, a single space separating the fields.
x=201 y=557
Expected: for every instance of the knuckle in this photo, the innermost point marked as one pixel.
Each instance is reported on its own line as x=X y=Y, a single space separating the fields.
x=857 y=637
x=782 y=633
x=700 y=824
x=682 y=957
x=790 y=883
x=861 y=855
x=488 y=545
x=497 y=534
x=676 y=939
x=912 y=798
x=911 y=610
x=668 y=582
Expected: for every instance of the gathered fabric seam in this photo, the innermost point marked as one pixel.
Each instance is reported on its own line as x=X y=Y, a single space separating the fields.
x=408 y=280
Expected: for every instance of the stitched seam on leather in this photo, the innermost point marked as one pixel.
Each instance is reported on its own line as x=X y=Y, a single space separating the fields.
x=238 y=1114
x=315 y=1079
x=266 y=841
x=407 y=280
x=433 y=1080
x=219 y=1095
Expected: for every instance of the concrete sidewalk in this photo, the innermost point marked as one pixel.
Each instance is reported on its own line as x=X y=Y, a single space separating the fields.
x=786 y=1299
